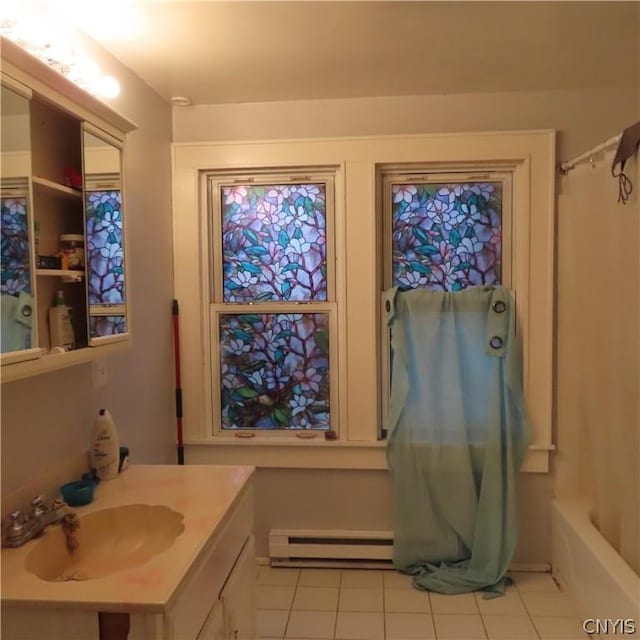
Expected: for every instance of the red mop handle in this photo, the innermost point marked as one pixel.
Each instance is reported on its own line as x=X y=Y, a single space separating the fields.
x=176 y=353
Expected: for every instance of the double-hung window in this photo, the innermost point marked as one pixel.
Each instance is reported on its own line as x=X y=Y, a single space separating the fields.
x=444 y=232
x=273 y=303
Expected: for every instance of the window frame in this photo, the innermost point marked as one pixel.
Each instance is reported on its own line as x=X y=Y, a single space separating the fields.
x=423 y=174
x=217 y=306
x=356 y=161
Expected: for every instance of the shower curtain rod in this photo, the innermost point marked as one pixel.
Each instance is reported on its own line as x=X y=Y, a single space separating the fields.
x=587 y=156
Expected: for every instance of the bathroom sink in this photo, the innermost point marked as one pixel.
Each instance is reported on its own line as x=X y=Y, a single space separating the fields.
x=109 y=540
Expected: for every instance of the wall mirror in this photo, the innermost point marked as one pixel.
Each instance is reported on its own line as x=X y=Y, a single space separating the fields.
x=104 y=230
x=18 y=328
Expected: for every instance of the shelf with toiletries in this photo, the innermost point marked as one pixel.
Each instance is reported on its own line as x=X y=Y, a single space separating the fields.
x=55 y=189
x=62 y=273
x=63 y=234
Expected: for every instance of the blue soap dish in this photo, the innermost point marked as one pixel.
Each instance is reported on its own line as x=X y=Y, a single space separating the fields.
x=78 y=493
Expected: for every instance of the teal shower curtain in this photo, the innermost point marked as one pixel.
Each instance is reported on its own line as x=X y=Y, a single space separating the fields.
x=457 y=434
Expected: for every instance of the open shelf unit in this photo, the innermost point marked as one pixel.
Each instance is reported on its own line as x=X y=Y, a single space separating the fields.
x=56 y=146
x=59 y=136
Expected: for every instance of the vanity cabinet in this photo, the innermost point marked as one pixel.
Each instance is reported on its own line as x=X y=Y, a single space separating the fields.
x=232 y=616
x=218 y=598
x=63 y=219
x=203 y=587
x=238 y=598
x=213 y=605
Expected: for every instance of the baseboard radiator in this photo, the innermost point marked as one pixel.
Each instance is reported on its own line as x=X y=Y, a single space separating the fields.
x=330 y=548
x=345 y=549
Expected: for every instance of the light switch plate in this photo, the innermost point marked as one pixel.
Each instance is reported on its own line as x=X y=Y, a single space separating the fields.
x=99 y=373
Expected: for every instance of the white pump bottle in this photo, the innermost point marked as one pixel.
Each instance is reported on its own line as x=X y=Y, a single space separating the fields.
x=105 y=447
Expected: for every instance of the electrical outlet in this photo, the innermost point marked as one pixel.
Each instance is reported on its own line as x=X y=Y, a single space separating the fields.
x=99 y=373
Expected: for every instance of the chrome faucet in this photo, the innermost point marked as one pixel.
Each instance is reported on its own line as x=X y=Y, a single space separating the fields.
x=20 y=527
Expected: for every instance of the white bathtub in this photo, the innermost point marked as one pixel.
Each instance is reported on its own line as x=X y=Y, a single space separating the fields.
x=585 y=564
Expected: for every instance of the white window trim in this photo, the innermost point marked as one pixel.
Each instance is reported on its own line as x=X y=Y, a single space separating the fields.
x=532 y=156
x=213 y=284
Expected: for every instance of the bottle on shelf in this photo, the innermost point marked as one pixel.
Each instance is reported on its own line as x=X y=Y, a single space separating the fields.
x=72 y=251
x=60 y=327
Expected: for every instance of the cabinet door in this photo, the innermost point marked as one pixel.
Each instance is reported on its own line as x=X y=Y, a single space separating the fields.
x=105 y=238
x=213 y=628
x=17 y=293
x=239 y=596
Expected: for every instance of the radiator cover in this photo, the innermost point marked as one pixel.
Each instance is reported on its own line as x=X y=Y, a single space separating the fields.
x=330 y=548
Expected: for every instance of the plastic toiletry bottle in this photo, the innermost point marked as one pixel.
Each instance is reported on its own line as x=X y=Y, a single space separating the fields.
x=105 y=446
x=60 y=328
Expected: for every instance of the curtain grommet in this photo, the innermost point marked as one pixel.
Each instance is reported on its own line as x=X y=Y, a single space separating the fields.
x=499 y=306
x=387 y=306
x=496 y=342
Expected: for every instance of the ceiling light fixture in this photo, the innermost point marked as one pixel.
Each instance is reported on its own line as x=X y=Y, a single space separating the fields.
x=42 y=34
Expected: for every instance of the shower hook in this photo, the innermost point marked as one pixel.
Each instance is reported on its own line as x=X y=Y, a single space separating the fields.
x=593 y=164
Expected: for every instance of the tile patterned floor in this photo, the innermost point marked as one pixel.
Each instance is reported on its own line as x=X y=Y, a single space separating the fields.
x=328 y=604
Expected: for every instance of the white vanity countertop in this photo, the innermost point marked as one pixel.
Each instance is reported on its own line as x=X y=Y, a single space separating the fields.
x=205 y=495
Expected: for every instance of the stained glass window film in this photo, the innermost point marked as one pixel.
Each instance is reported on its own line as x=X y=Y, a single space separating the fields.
x=274 y=242
x=104 y=247
x=274 y=371
x=101 y=326
x=446 y=236
x=14 y=246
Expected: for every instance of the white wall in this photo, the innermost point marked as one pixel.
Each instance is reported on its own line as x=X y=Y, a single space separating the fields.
x=323 y=499
x=47 y=419
x=362 y=499
x=582 y=118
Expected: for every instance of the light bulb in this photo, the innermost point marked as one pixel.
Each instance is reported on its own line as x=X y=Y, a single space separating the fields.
x=34 y=32
x=39 y=29
x=108 y=87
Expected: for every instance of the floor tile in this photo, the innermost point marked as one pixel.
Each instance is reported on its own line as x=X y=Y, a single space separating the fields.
x=319 y=578
x=549 y=604
x=277 y=575
x=509 y=628
x=510 y=604
x=406 y=601
x=316 y=598
x=459 y=603
x=361 y=578
x=459 y=627
x=274 y=596
x=409 y=626
x=530 y=581
x=311 y=624
x=359 y=626
x=557 y=628
x=360 y=599
x=397 y=580
x=271 y=624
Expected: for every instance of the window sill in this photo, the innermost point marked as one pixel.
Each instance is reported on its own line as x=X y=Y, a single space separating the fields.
x=320 y=454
